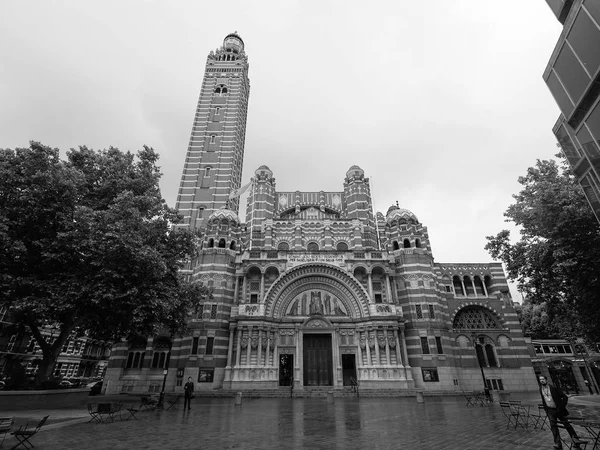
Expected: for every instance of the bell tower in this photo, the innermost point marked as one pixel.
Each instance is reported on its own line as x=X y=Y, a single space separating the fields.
x=215 y=155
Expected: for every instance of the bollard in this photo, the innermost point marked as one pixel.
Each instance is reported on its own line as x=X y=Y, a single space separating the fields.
x=330 y=397
x=420 y=398
x=238 y=398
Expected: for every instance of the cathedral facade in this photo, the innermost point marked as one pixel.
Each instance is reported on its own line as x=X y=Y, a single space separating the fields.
x=313 y=289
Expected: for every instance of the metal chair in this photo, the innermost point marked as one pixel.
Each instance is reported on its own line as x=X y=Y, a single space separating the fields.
x=540 y=418
x=173 y=401
x=6 y=424
x=23 y=434
x=511 y=415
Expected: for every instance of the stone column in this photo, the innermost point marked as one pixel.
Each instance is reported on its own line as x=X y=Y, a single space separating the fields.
x=268 y=347
x=398 y=356
x=462 y=282
x=259 y=356
x=262 y=287
x=236 y=293
x=335 y=343
x=370 y=285
x=404 y=351
x=368 y=347
x=375 y=332
x=249 y=346
x=358 y=349
x=483 y=286
x=387 y=346
x=244 y=289
x=230 y=347
x=389 y=289
x=238 y=348
x=297 y=372
x=473 y=284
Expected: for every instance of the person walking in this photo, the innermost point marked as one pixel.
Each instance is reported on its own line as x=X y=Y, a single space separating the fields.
x=188 y=394
x=555 y=405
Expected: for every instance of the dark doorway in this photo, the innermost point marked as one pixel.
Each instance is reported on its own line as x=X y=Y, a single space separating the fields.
x=286 y=370
x=348 y=368
x=317 y=360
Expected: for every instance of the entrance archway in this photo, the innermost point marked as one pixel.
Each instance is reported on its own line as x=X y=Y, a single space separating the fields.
x=318 y=360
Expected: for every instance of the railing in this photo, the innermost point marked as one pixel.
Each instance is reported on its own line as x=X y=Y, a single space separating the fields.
x=354 y=384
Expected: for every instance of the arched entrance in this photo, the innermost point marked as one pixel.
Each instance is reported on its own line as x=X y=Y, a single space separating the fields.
x=317 y=352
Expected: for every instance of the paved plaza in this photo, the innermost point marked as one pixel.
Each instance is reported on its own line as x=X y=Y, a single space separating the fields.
x=283 y=423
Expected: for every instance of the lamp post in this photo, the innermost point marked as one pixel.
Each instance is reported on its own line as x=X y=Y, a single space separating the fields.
x=161 y=398
x=485 y=388
x=581 y=350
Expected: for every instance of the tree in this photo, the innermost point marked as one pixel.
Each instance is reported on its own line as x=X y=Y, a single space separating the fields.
x=88 y=245
x=556 y=262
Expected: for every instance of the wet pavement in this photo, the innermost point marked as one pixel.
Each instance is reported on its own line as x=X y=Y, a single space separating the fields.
x=348 y=423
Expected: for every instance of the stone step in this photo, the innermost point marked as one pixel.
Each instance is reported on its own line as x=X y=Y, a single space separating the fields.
x=321 y=391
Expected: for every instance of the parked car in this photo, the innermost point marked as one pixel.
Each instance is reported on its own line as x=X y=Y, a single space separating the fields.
x=65 y=384
x=2 y=384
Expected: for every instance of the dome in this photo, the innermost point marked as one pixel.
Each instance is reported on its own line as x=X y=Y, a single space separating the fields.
x=234 y=42
x=263 y=168
x=400 y=214
x=352 y=170
x=224 y=214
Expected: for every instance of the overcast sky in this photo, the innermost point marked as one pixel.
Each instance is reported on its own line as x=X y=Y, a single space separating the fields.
x=441 y=102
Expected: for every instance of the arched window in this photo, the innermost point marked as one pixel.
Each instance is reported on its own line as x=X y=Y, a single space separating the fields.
x=232 y=245
x=211 y=243
x=486 y=354
x=479 y=289
x=283 y=246
x=491 y=357
x=135 y=360
x=395 y=245
x=458 y=289
x=488 y=283
x=406 y=243
x=221 y=243
x=480 y=355
x=217 y=111
x=342 y=247
x=213 y=139
x=475 y=318
x=224 y=90
x=417 y=243
x=312 y=247
x=218 y=90
x=468 y=285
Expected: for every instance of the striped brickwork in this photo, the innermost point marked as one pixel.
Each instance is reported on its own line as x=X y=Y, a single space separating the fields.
x=319 y=263
x=214 y=159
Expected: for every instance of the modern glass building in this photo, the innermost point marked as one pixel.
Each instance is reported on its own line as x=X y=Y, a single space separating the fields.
x=573 y=77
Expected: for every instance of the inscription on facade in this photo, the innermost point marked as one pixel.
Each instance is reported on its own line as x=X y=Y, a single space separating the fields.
x=305 y=258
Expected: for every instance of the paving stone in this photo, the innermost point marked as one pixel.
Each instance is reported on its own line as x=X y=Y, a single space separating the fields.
x=276 y=423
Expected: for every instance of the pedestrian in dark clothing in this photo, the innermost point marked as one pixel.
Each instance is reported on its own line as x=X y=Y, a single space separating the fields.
x=188 y=393
x=555 y=404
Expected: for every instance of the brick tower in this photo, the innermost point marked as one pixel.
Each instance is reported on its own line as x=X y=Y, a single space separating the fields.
x=215 y=155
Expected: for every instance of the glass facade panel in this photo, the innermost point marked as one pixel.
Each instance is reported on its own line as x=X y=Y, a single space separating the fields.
x=571 y=73
x=587 y=143
x=556 y=6
x=567 y=145
x=591 y=192
x=559 y=94
x=584 y=37
x=593 y=7
x=593 y=122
